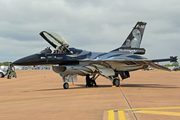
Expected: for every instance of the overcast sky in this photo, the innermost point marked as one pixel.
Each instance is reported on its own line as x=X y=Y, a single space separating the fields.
x=95 y=25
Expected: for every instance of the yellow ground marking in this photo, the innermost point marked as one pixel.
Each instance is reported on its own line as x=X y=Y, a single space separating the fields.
x=159 y=113
x=157 y=108
x=110 y=115
x=142 y=110
x=121 y=115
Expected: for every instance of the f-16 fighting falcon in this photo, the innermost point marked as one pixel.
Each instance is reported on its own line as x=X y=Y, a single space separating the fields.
x=70 y=62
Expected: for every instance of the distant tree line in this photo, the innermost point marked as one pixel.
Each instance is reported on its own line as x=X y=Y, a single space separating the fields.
x=4 y=64
x=176 y=64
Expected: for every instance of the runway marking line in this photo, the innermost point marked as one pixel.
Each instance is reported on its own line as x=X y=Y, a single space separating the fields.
x=121 y=112
x=121 y=115
x=110 y=115
x=159 y=113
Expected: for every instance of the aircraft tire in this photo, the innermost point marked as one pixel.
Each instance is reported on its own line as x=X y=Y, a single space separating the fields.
x=116 y=82
x=90 y=84
x=66 y=85
x=1 y=75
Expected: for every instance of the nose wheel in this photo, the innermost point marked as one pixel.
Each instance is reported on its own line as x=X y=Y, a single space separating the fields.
x=66 y=85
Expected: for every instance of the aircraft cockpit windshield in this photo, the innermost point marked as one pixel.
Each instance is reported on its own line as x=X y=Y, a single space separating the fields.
x=58 y=42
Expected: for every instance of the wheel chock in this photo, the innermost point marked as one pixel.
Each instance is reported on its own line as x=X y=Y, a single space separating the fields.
x=115 y=86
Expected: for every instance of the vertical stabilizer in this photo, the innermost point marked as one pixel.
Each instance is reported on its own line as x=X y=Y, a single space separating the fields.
x=133 y=41
x=135 y=37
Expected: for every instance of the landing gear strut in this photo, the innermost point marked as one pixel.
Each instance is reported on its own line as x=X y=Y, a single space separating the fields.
x=91 y=81
x=66 y=85
x=116 y=82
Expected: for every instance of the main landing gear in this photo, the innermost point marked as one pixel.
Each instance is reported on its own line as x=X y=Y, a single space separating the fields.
x=90 y=82
x=116 y=82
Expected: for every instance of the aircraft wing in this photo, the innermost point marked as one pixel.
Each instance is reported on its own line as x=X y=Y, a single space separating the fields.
x=131 y=65
x=134 y=64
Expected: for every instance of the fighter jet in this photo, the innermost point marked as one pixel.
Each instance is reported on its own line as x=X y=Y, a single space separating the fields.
x=70 y=62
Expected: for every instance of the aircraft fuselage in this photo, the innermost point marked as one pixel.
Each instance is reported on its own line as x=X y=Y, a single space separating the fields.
x=73 y=57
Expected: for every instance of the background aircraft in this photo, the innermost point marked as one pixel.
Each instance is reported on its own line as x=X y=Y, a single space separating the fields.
x=70 y=62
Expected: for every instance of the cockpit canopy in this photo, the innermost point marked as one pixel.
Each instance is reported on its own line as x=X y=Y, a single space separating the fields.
x=58 y=42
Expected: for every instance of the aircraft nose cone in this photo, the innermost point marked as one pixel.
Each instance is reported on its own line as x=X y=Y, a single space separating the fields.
x=29 y=60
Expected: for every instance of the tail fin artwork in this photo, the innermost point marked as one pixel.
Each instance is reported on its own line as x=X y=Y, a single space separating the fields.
x=135 y=37
x=133 y=41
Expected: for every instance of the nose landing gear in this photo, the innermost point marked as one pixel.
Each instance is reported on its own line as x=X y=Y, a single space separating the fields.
x=66 y=85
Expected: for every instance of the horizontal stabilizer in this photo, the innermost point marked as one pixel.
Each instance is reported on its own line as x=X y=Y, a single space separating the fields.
x=156 y=66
